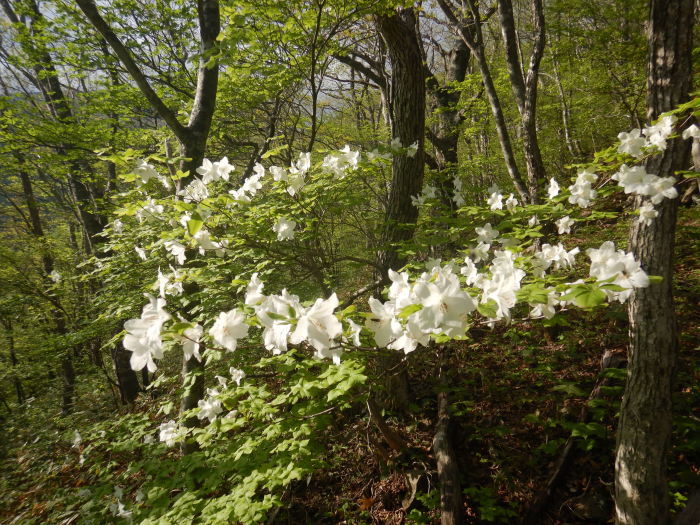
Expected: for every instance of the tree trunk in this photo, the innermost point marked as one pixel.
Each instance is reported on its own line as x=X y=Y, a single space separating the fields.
x=442 y=101
x=193 y=379
x=68 y=382
x=126 y=377
x=641 y=490
x=19 y=390
x=451 y=504
x=525 y=89
x=470 y=32
x=408 y=125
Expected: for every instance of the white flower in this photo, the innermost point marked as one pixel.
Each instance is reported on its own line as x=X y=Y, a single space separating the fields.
x=237 y=375
x=504 y=282
x=55 y=276
x=275 y=313
x=141 y=253
x=278 y=173
x=284 y=228
x=606 y=263
x=486 y=233
x=631 y=143
x=190 y=342
x=143 y=335
x=553 y=188
x=203 y=238
x=533 y=221
x=117 y=226
x=150 y=209
x=582 y=192
x=691 y=132
x=384 y=324
x=194 y=191
x=555 y=256
x=636 y=180
x=224 y=169
x=545 y=310
x=304 y=162
x=395 y=143
x=481 y=252
x=251 y=185
x=445 y=306
x=209 y=407
x=663 y=187
x=412 y=150
x=495 y=201
x=259 y=170
x=177 y=250
x=659 y=132
x=318 y=326
x=77 y=440
x=169 y=433
x=207 y=171
x=146 y=171
x=339 y=163
x=354 y=333
x=647 y=214
x=295 y=182
x=119 y=510
x=564 y=224
x=254 y=295
x=458 y=199
x=211 y=172
x=229 y=328
x=511 y=202
x=470 y=272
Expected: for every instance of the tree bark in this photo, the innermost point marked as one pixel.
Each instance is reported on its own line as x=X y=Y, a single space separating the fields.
x=641 y=490
x=408 y=125
x=451 y=504
x=525 y=89
x=475 y=43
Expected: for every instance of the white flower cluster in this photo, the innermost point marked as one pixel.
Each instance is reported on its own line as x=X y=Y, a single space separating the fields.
x=284 y=228
x=443 y=308
x=621 y=267
x=285 y=320
x=636 y=180
x=582 y=192
x=554 y=257
x=146 y=172
x=143 y=335
x=652 y=137
x=339 y=163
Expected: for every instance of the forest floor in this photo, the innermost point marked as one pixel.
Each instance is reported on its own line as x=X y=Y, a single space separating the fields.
x=513 y=408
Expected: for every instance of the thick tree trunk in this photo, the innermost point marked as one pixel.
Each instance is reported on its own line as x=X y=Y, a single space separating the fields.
x=641 y=490
x=408 y=125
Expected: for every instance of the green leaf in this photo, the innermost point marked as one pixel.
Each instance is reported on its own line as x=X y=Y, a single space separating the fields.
x=586 y=295
x=194 y=224
x=488 y=309
x=406 y=311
